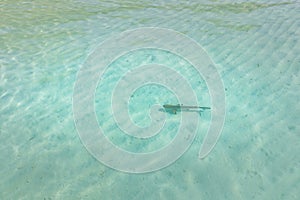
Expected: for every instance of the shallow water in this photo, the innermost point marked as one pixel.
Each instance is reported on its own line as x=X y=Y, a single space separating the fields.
x=255 y=46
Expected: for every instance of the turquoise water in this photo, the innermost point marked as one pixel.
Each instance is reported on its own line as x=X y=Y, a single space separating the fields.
x=255 y=46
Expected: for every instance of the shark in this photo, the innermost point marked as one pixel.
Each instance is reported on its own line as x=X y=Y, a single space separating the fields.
x=178 y=107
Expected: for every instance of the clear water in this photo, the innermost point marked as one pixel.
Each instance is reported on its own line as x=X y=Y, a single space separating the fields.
x=256 y=48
